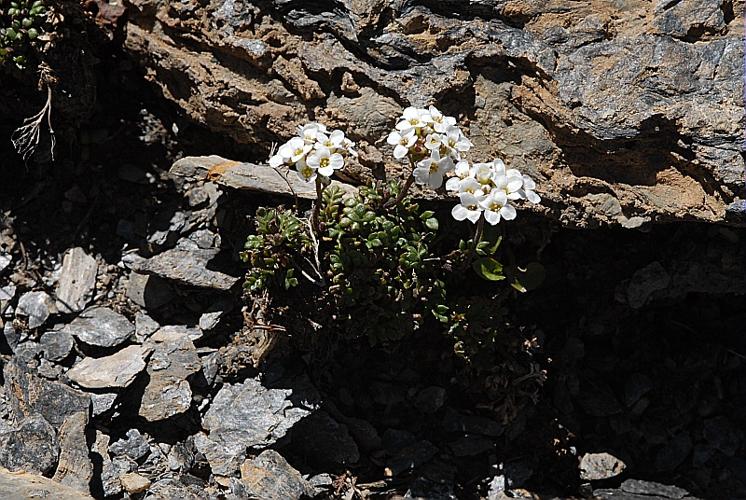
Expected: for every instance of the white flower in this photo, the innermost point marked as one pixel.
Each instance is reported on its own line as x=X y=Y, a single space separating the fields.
x=439 y=121
x=433 y=141
x=495 y=206
x=294 y=150
x=510 y=183
x=335 y=140
x=456 y=142
x=468 y=208
x=305 y=171
x=403 y=142
x=310 y=131
x=528 y=190
x=471 y=186
x=412 y=118
x=461 y=172
x=276 y=160
x=430 y=171
x=483 y=173
x=325 y=161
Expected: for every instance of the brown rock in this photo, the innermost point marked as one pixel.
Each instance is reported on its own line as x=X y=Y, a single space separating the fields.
x=25 y=485
x=117 y=370
x=74 y=468
x=134 y=483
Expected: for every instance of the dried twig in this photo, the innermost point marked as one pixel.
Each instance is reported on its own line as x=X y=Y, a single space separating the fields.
x=26 y=138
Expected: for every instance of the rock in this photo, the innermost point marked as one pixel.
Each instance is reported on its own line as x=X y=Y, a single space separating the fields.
x=102 y=327
x=411 y=456
x=7 y=293
x=270 y=477
x=634 y=489
x=24 y=485
x=145 y=326
x=75 y=468
x=115 y=371
x=210 y=319
x=471 y=445
x=110 y=484
x=77 y=281
x=134 y=445
x=36 y=306
x=169 y=489
x=248 y=176
x=722 y=435
x=174 y=359
x=134 y=483
x=102 y=402
x=31 y=447
x=30 y=395
x=430 y=399
x=635 y=387
x=598 y=466
x=674 y=452
x=149 y=292
x=249 y=415
x=471 y=424
x=597 y=398
x=10 y=336
x=186 y=264
x=56 y=345
x=645 y=282
x=535 y=87
x=324 y=442
x=5 y=260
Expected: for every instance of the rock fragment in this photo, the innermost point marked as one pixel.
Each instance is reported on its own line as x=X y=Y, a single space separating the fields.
x=149 y=292
x=31 y=447
x=56 y=345
x=24 y=485
x=109 y=474
x=598 y=466
x=36 y=306
x=115 y=371
x=102 y=327
x=173 y=361
x=270 y=477
x=75 y=468
x=134 y=483
x=133 y=445
x=30 y=395
x=77 y=281
x=324 y=442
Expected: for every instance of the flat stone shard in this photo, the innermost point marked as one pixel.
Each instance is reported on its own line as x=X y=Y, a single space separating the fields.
x=24 y=485
x=77 y=281
x=115 y=371
x=533 y=85
x=75 y=468
x=30 y=395
x=56 y=345
x=598 y=466
x=173 y=361
x=270 y=477
x=102 y=327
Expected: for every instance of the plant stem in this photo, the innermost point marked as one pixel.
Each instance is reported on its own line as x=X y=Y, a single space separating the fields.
x=317 y=205
x=402 y=193
x=479 y=231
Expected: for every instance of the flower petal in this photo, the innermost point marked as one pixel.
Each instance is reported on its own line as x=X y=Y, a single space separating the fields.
x=508 y=212
x=492 y=217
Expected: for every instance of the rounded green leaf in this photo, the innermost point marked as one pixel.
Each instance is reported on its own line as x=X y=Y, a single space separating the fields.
x=488 y=268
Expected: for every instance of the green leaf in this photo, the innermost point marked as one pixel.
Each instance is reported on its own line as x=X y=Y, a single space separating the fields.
x=427 y=214
x=488 y=268
x=432 y=223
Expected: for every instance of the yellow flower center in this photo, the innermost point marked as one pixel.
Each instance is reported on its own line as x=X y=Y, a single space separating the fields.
x=324 y=162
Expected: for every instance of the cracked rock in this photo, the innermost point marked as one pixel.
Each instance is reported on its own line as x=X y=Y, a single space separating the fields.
x=102 y=327
x=31 y=447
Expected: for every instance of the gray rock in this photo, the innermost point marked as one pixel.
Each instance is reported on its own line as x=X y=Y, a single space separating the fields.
x=722 y=435
x=634 y=489
x=411 y=456
x=674 y=452
x=471 y=424
x=598 y=466
x=423 y=487
x=249 y=415
x=31 y=447
x=109 y=473
x=173 y=361
x=134 y=445
x=56 y=345
x=11 y=336
x=5 y=260
x=149 y=292
x=7 y=293
x=635 y=387
x=36 y=306
x=115 y=371
x=18 y=485
x=77 y=281
x=324 y=442
x=170 y=489
x=75 y=468
x=145 y=326
x=471 y=445
x=29 y=395
x=185 y=264
x=102 y=402
x=270 y=477
x=102 y=327
x=645 y=282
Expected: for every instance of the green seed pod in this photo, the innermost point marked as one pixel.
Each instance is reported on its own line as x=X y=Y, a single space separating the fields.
x=11 y=34
x=32 y=33
x=27 y=22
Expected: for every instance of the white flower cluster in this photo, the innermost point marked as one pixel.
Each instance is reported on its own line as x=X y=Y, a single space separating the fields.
x=430 y=141
x=315 y=151
x=489 y=189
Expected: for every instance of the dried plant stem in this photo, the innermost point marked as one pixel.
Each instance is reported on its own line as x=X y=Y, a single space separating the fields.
x=26 y=138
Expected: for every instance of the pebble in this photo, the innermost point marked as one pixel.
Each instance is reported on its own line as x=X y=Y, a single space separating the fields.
x=598 y=466
x=36 y=306
x=56 y=345
x=134 y=483
x=102 y=327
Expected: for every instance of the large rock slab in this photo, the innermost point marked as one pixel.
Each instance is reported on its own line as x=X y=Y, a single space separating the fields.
x=25 y=485
x=32 y=446
x=623 y=113
x=75 y=468
x=270 y=477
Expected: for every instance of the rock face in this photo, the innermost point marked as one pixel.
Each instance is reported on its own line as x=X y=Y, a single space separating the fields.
x=623 y=112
